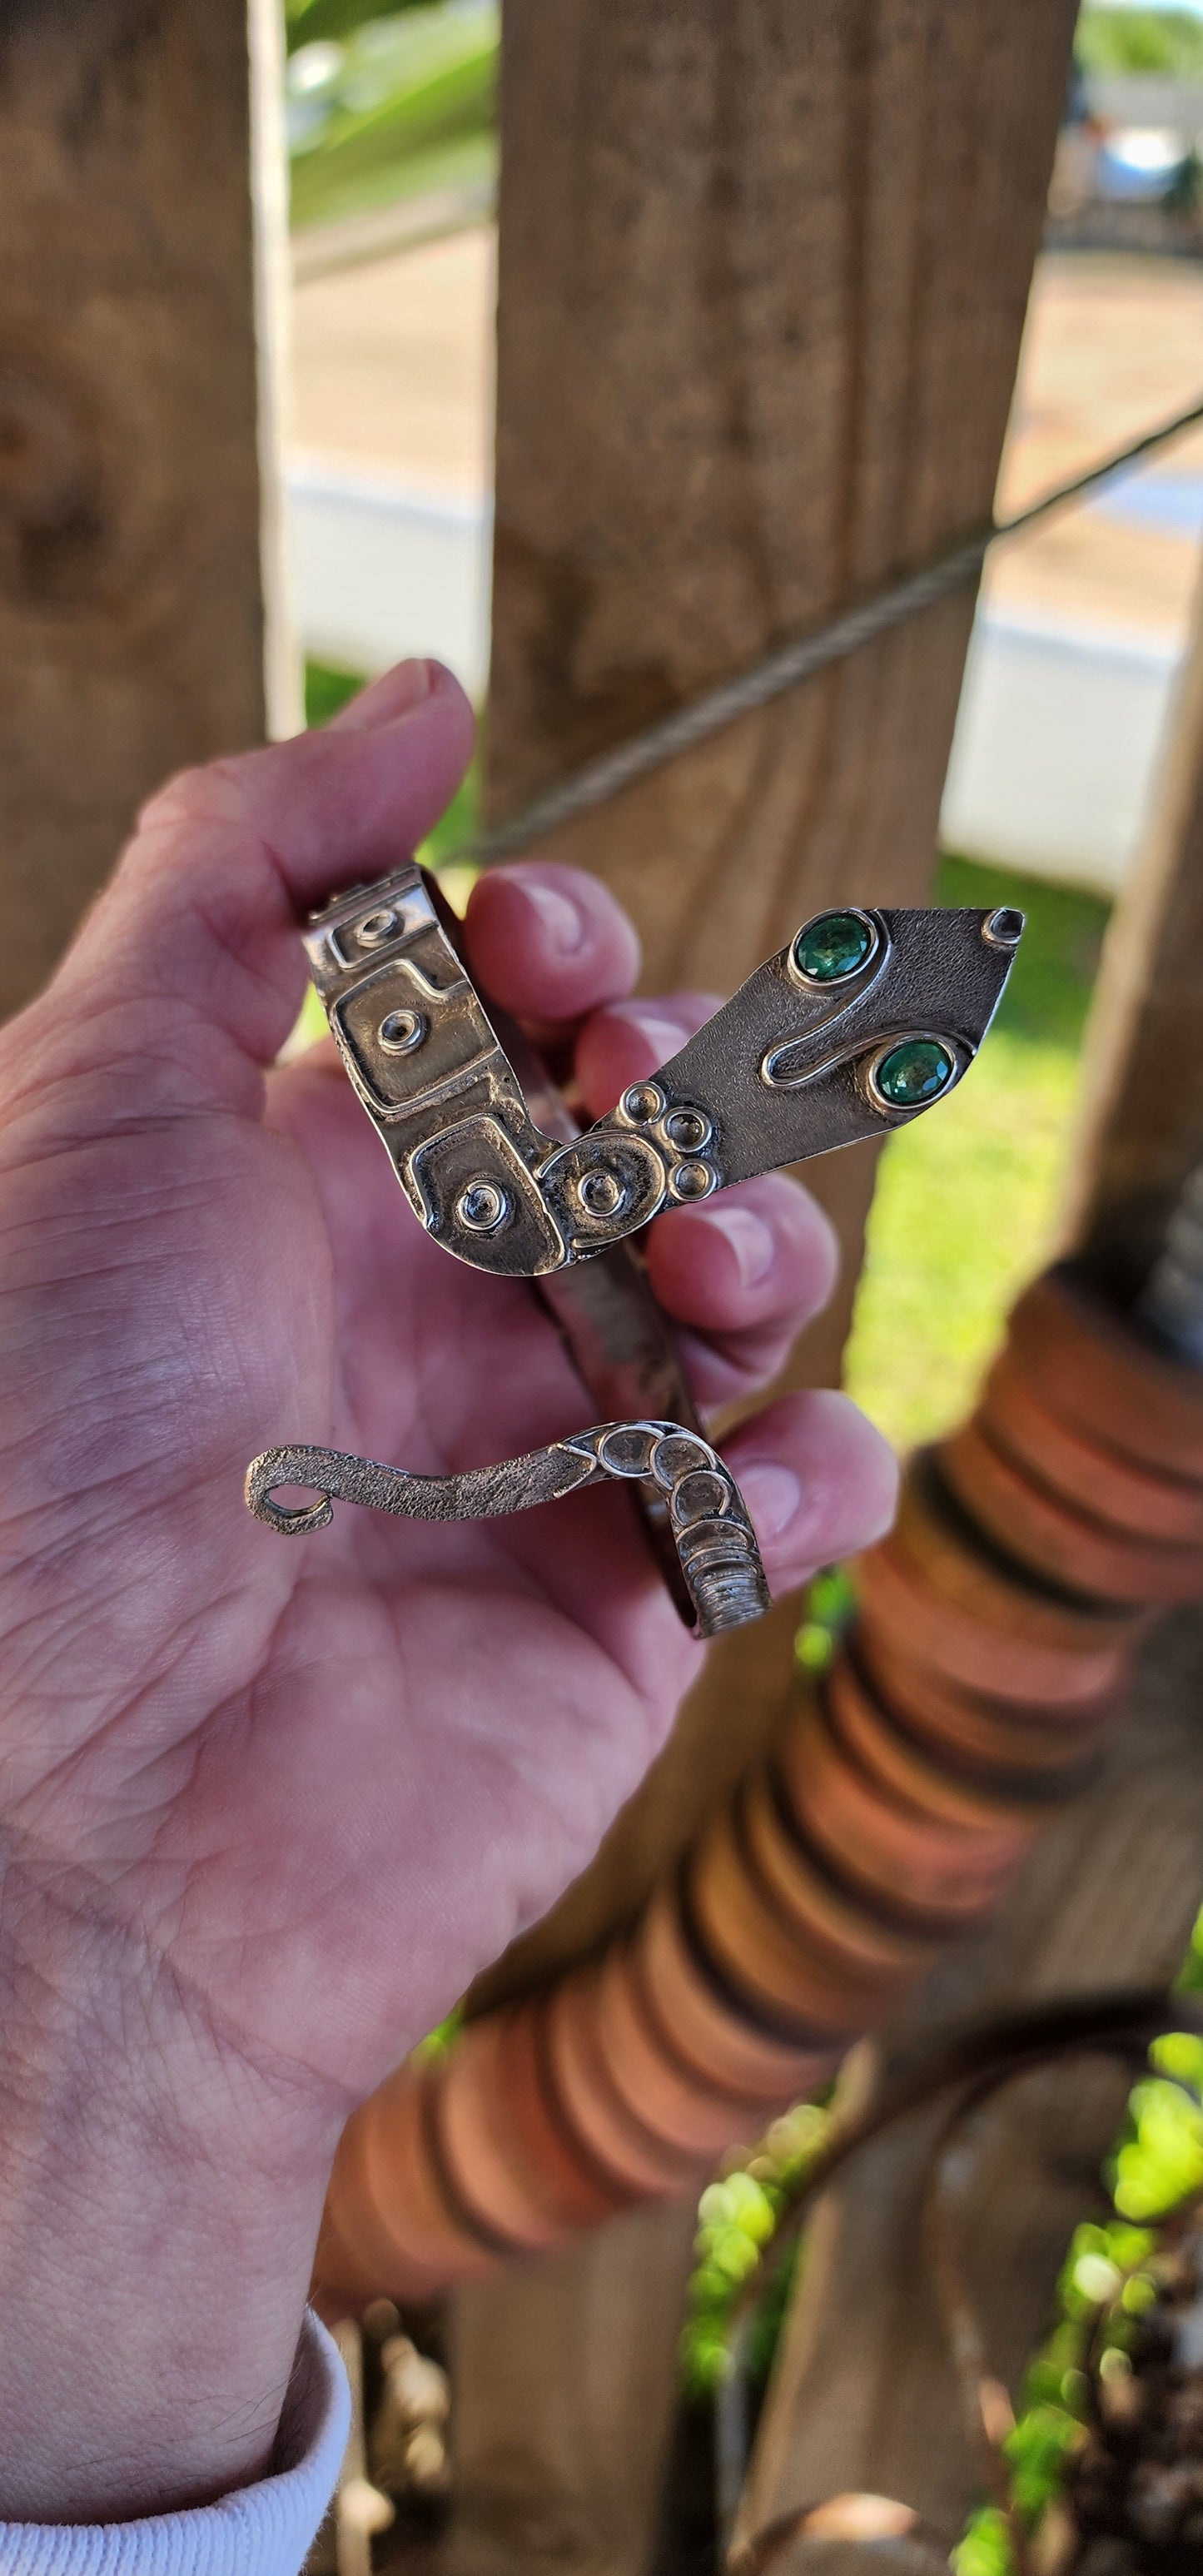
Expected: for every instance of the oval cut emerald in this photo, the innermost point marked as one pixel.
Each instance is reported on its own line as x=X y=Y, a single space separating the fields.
x=915 y=1072
x=833 y=945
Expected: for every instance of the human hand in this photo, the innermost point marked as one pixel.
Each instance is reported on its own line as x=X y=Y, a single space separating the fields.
x=266 y=1809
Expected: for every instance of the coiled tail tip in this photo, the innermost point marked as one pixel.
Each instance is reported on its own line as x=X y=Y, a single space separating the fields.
x=282 y=1467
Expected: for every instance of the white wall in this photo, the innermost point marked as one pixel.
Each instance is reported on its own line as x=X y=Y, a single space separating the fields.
x=1056 y=747
x=380 y=571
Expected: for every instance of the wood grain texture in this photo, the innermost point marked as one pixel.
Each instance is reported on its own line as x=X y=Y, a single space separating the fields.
x=763 y=271
x=565 y=2381
x=864 y=2395
x=131 y=622
x=1142 y=1123
x=762 y=279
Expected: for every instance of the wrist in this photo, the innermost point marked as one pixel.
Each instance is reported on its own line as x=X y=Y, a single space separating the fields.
x=160 y=2196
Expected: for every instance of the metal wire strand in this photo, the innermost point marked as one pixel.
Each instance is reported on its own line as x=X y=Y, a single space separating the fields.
x=771 y=677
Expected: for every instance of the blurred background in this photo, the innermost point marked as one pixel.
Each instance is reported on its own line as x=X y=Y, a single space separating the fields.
x=1080 y=628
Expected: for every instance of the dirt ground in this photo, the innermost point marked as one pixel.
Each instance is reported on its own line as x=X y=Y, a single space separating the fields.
x=393 y=379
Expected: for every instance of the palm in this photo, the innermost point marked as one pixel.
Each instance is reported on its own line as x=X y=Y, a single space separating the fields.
x=368 y=1728
x=265 y=1805
x=320 y=1781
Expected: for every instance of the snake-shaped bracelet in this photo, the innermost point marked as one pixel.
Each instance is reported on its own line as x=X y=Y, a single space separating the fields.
x=713 y=1536
x=865 y=1019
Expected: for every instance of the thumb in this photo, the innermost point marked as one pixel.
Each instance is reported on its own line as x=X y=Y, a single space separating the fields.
x=188 y=971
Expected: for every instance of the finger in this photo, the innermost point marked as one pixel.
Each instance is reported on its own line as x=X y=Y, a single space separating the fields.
x=629 y=1040
x=743 y=1275
x=196 y=935
x=548 y=942
x=819 y=1481
x=761 y=1257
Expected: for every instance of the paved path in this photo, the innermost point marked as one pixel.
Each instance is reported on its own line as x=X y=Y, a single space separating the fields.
x=1112 y=346
x=393 y=371
x=1071 y=670
x=393 y=377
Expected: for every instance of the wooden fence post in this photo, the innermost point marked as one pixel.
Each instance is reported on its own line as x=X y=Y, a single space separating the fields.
x=763 y=274
x=131 y=597
x=762 y=279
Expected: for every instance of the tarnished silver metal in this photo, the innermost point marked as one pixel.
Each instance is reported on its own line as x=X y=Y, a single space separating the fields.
x=799 y=1061
x=713 y=1536
x=863 y=1020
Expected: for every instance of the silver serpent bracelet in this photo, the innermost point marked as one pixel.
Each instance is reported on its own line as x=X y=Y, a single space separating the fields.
x=713 y=1536
x=864 y=1020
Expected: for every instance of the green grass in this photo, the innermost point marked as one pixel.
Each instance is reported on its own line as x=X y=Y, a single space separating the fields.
x=327 y=689
x=1166 y=43
x=967 y=1198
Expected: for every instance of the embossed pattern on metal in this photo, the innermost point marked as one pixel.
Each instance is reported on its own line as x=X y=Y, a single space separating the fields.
x=789 y=1067
x=714 y=1538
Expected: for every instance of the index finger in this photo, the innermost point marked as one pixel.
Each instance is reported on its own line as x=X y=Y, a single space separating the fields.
x=548 y=942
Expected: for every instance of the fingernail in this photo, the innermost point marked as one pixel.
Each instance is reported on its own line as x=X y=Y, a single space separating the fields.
x=773 y=1496
x=562 y=924
x=393 y=695
x=664 y=1037
x=749 y=1237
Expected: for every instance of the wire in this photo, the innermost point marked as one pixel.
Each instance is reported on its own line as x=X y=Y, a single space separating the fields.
x=832 y=641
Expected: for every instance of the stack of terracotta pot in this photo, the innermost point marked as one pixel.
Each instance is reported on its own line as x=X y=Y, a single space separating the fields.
x=994 y=1630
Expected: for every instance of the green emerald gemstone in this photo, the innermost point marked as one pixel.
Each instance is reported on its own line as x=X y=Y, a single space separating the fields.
x=914 y=1073
x=832 y=946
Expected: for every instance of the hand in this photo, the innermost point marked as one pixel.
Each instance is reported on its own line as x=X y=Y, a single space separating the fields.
x=266 y=1807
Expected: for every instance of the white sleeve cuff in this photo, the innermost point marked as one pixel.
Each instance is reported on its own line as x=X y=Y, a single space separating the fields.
x=262 y=2530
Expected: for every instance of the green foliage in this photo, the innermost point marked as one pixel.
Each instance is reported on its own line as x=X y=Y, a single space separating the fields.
x=944 y=1262
x=829 y=1605
x=326 y=690
x=1110 y=2270
x=309 y=22
x=438 y=2043
x=737 y=2219
x=1166 y=44
x=1189 y=1980
x=986 y=2547
x=1162 y=2159
x=406 y=104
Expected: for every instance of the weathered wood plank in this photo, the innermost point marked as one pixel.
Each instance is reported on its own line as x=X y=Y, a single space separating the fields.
x=762 y=279
x=763 y=273
x=131 y=605
x=565 y=2384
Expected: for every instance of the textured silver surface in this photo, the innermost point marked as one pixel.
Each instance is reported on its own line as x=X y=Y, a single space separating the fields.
x=492 y=1165
x=714 y=1538
x=787 y=1068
